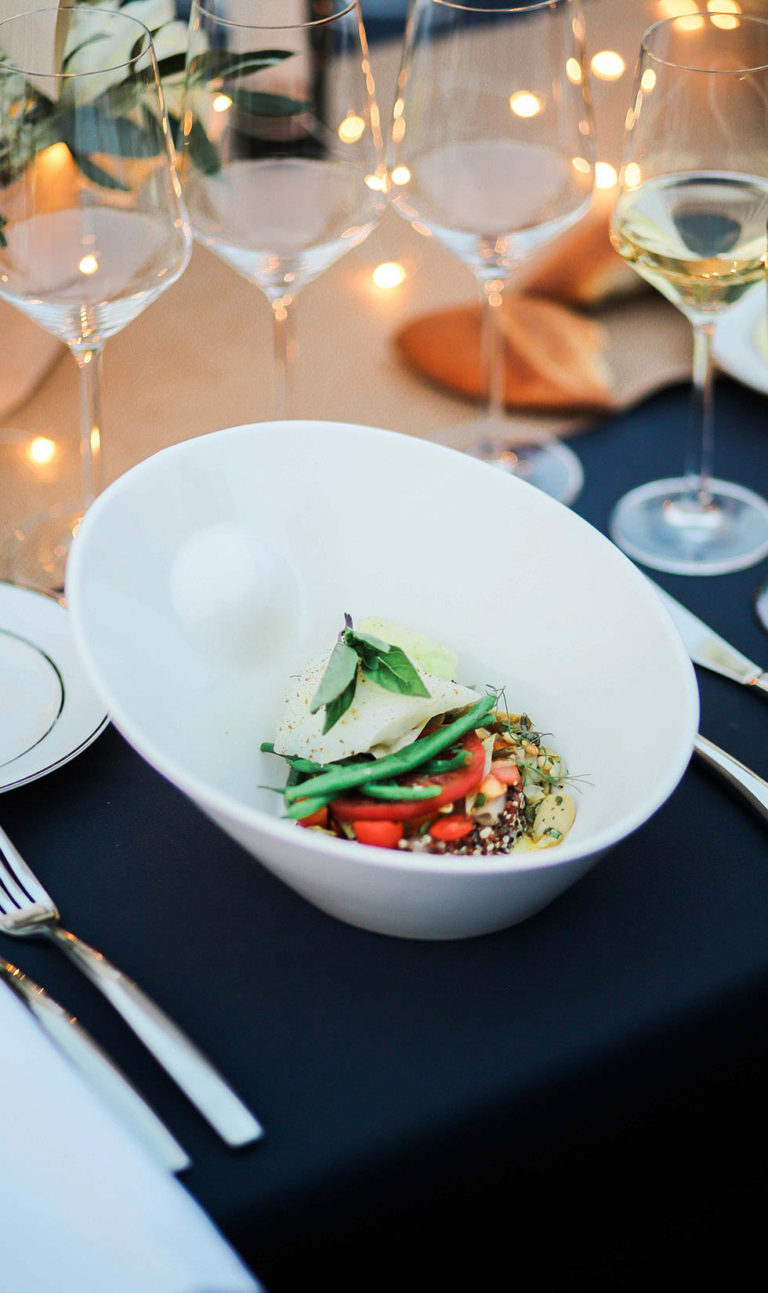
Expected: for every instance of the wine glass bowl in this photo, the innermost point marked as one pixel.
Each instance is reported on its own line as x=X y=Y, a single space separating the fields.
x=492 y=149
x=92 y=227
x=690 y=218
x=282 y=165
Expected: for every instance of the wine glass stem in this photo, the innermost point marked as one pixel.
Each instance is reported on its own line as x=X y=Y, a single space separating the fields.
x=493 y=348
x=88 y=361
x=701 y=434
x=285 y=346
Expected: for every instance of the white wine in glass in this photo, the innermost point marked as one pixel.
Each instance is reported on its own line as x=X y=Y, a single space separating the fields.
x=690 y=218
x=282 y=165
x=492 y=155
x=92 y=226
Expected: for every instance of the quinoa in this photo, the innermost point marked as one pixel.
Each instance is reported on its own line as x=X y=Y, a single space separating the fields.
x=485 y=838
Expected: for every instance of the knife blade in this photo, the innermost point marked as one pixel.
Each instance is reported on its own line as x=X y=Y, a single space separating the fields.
x=97 y=1068
x=707 y=648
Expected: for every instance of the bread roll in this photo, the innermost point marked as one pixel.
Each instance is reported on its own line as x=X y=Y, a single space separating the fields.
x=554 y=357
x=581 y=266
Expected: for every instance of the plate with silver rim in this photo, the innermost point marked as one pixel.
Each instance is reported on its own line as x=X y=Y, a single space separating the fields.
x=740 y=344
x=48 y=711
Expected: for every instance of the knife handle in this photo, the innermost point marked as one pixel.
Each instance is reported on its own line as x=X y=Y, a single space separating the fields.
x=754 y=789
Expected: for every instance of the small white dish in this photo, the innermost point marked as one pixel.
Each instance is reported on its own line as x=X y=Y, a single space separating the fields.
x=48 y=710
x=202 y=578
x=740 y=345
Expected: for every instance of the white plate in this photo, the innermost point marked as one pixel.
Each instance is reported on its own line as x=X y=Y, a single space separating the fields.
x=48 y=711
x=741 y=341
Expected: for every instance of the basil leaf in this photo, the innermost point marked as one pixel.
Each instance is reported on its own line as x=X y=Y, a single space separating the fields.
x=335 y=708
x=367 y=640
x=395 y=672
x=340 y=674
x=386 y=664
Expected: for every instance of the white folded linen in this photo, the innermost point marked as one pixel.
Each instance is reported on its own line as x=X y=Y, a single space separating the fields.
x=84 y=1208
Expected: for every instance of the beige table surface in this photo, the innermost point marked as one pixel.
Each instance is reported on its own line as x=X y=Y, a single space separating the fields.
x=200 y=357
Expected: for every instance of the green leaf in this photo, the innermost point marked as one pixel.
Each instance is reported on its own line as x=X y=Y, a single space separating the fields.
x=386 y=665
x=3 y=239
x=201 y=150
x=226 y=63
x=260 y=104
x=340 y=674
x=172 y=64
x=89 y=130
x=95 y=173
x=336 y=708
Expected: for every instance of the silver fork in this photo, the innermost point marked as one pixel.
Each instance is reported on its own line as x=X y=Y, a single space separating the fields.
x=26 y=909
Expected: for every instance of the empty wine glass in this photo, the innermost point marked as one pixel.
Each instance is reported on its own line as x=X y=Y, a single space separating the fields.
x=281 y=167
x=92 y=227
x=690 y=218
x=492 y=155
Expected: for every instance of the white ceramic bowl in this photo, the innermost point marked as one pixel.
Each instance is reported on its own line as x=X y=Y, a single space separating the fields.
x=203 y=577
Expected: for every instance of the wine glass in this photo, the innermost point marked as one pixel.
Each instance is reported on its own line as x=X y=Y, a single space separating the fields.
x=92 y=227
x=282 y=166
x=492 y=155
x=690 y=218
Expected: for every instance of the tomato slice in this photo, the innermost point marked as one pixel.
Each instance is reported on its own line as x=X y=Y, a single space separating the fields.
x=454 y=785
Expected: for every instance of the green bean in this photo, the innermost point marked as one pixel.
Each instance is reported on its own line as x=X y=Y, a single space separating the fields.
x=293 y=760
x=394 y=765
x=306 y=807
x=460 y=760
x=308 y=765
x=391 y=790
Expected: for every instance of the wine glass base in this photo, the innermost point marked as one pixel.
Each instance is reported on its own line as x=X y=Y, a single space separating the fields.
x=538 y=459
x=761 y=605
x=662 y=525
x=36 y=554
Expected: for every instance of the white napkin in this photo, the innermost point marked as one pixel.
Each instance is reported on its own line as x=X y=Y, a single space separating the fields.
x=84 y=1208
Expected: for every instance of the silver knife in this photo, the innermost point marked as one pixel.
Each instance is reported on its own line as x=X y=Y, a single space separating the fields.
x=741 y=778
x=707 y=648
x=97 y=1068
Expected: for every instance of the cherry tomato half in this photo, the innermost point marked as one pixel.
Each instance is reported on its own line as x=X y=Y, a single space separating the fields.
x=385 y=835
x=453 y=827
x=454 y=785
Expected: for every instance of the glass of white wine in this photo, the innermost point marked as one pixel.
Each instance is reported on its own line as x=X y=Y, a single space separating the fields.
x=282 y=165
x=690 y=218
x=492 y=155
x=92 y=226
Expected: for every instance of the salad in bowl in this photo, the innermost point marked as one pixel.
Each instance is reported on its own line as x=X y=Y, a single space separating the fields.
x=384 y=747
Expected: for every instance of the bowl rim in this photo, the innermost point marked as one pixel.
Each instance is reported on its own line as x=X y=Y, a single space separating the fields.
x=282 y=830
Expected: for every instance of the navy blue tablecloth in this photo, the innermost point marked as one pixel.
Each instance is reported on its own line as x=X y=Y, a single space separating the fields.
x=580 y=1097
x=573 y=1104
